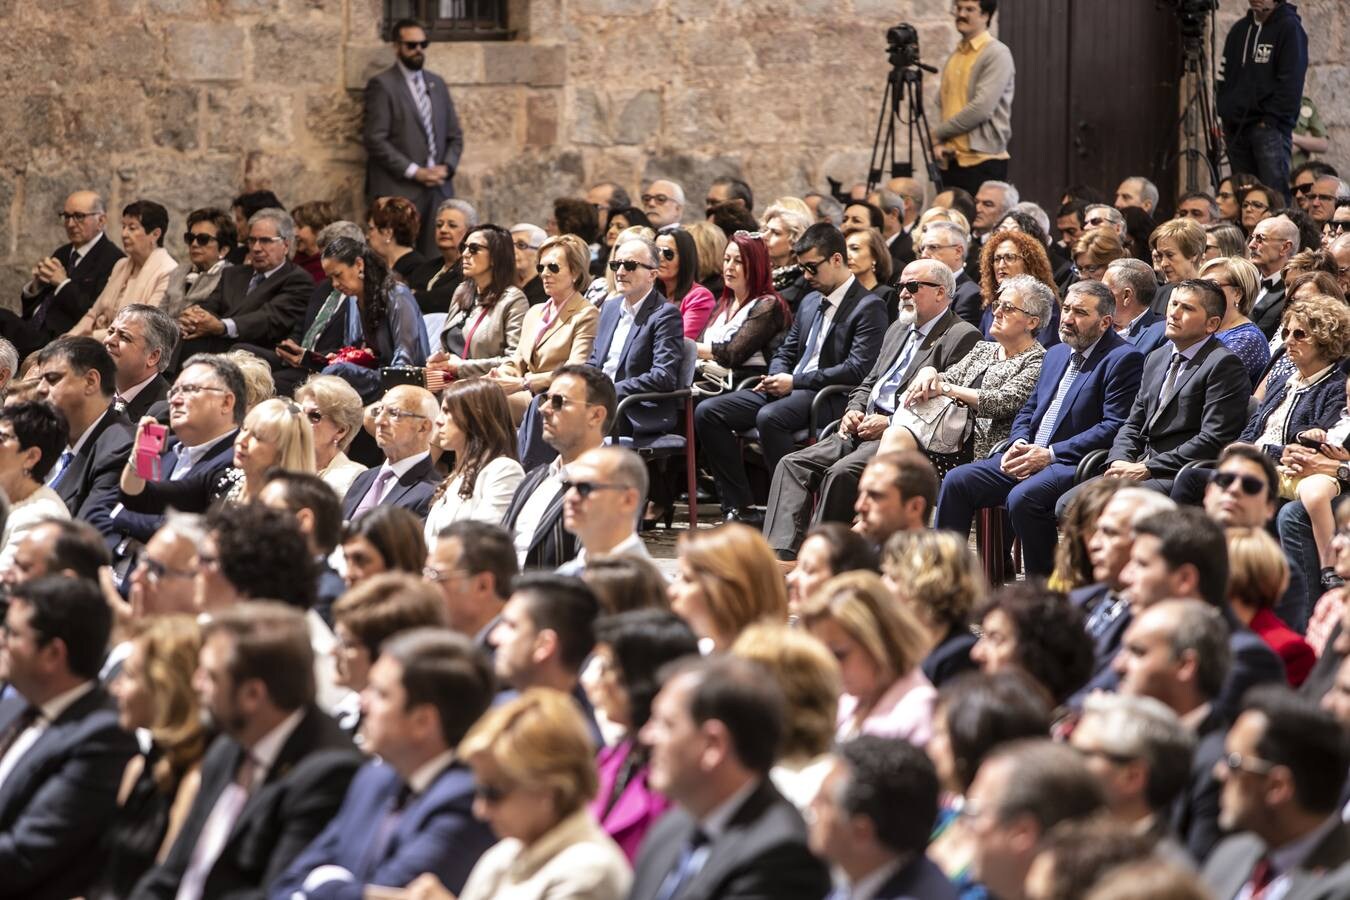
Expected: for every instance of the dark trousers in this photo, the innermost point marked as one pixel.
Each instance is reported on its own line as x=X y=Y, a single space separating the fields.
x=717 y=421
x=971 y=177
x=1031 y=504
x=833 y=466
x=1263 y=151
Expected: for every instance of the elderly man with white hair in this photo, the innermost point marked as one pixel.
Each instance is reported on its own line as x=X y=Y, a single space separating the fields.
x=527 y=240
x=663 y=202
x=1273 y=243
x=947 y=242
x=1137 y=191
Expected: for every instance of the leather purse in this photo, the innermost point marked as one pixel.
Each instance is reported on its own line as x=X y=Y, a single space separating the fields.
x=939 y=425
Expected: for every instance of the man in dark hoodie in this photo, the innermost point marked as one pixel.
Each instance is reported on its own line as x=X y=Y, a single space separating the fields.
x=1260 y=89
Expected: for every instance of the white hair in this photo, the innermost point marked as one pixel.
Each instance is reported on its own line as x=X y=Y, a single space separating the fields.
x=676 y=191
x=955 y=233
x=1035 y=293
x=536 y=235
x=1034 y=210
x=9 y=358
x=1010 y=196
x=1148 y=191
x=463 y=207
x=1145 y=502
x=938 y=271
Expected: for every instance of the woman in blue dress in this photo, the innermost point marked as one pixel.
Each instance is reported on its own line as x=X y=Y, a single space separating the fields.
x=1239 y=281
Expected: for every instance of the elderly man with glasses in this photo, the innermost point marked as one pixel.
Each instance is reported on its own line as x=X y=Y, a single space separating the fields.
x=404 y=420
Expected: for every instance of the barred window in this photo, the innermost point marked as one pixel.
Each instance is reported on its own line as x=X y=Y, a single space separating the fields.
x=455 y=20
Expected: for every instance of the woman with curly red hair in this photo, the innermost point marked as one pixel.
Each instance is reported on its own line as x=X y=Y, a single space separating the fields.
x=1010 y=253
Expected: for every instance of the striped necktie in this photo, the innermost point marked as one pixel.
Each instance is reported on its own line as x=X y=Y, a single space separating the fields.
x=1051 y=418
x=423 y=100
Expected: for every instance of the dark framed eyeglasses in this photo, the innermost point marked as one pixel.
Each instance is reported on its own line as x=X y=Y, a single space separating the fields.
x=584 y=489
x=912 y=287
x=200 y=238
x=415 y=45
x=1302 y=189
x=666 y=253
x=1297 y=334
x=628 y=265
x=655 y=198
x=1255 y=204
x=811 y=268
x=552 y=267
x=523 y=246
x=76 y=216
x=470 y=249
x=1007 y=258
x=1006 y=306
x=1250 y=484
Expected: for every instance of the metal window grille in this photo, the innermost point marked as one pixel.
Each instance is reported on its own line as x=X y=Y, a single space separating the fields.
x=455 y=20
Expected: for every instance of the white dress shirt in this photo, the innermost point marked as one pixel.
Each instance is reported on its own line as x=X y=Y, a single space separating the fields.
x=527 y=523
x=627 y=318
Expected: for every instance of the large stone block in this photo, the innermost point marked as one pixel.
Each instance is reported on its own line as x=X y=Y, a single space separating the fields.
x=520 y=188
x=299 y=53
x=205 y=51
x=173 y=116
x=334 y=118
x=607 y=8
x=541 y=119
x=248 y=121
x=1330 y=87
x=363 y=61
x=640 y=119
x=590 y=118
x=49 y=178
x=491 y=118
x=104 y=124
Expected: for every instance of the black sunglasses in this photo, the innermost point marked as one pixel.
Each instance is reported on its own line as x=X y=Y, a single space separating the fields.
x=811 y=268
x=629 y=264
x=200 y=238
x=552 y=267
x=666 y=253
x=556 y=402
x=584 y=489
x=1251 y=485
x=913 y=287
x=1303 y=188
x=415 y=45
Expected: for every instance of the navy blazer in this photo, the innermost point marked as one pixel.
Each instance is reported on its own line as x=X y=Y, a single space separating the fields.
x=1147 y=332
x=1205 y=412
x=90 y=484
x=59 y=798
x=412 y=491
x=436 y=833
x=1096 y=404
x=1105 y=645
x=649 y=361
x=850 y=347
x=144 y=513
x=968 y=302
x=918 y=879
x=1317 y=407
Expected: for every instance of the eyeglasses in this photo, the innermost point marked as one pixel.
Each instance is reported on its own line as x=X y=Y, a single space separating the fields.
x=1257 y=239
x=666 y=253
x=912 y=287
x=629 y=265
x=1251 y=485
x=264 y=241
x=812 y=268
x=191 y=390
x=1007 y=258
x=77 y=216
x=556 y=402
x=1236 y=762
x=471 y=249
x=1337 y=227
x=1255 y=204
x=519 y=245
x=1093 y=271
x=1325 y=198
x=415 y=45
x=436 y=576
x=552 y=267
x=1297 y=334
x=491 y=793
x=584 y=489
x=1098 y=221
x=1005 y=307
x=393 y=412
x=157 y=571
x=931 y=248
x=655 y=198
x=200 y=238
x=1224 y=195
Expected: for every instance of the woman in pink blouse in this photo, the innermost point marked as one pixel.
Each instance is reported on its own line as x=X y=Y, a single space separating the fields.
x=678 y=257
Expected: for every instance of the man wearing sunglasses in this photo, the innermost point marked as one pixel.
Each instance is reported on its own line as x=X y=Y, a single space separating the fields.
x=602 y=493
x=1273 y=243
x=1244 y=489
x=412 y=135
x=1302 y=179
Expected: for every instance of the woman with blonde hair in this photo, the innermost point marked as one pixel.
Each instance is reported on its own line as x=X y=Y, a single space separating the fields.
x=335 y=413
x=534 y=767
x=728 y=578
x=879 y=645
x=275 y=434
x=1239 y=280
x=1258 y=575
x=809 y=677
x=258 y=382
x=782 y=225
x=710 y=242
x=154 y=693
x=475 y=426
x=934 y=575
x=1177 y=248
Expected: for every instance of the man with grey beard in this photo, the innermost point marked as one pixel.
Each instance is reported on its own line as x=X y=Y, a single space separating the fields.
x=1086 y=388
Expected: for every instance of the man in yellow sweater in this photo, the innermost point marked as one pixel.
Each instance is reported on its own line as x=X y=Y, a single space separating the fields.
x=976 y=96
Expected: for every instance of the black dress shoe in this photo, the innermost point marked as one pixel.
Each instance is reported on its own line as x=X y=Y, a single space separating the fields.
x=752 y=517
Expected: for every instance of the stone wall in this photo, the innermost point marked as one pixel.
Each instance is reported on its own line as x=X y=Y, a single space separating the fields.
x=190 y=101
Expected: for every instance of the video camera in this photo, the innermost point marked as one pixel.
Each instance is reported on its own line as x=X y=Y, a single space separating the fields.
x=902 y=46
x=1192 y=15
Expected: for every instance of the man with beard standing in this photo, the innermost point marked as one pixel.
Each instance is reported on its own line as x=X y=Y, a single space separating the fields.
x=412 y=134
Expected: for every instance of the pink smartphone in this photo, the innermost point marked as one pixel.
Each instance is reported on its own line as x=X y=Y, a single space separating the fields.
x=148 y=465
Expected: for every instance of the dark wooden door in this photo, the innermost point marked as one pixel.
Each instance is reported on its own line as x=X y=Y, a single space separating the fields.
x=1096 y=95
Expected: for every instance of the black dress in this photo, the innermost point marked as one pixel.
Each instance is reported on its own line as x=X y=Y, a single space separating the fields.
x=408 y=264
x=130 y=846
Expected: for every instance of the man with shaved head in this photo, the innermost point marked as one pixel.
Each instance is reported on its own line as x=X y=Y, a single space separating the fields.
x=405 y=419
x=65 y=284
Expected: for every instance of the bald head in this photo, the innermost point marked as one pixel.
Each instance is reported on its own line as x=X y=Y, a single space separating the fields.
x=404 y=421
x=83 y=217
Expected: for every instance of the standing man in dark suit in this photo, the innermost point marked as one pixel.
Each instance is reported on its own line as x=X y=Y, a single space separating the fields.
x=65 y=284
x=577 y=413
x=1282 y=782
x=947 y=243
x=259 y=302
x=834 y=339
x=925 y=333
x=76 y=375
x=872 y=819
x=404 y=421
x=1192 y=398
x=412 y=134
x=62 y=753
x=713 y=734
x=141 y=341
x=1085 y=390
x=409 y=810
x=275 y=776
x=639 y=342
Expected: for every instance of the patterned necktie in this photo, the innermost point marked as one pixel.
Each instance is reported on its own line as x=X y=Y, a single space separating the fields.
x=885 y=398
x=1170 y=382
x=329 y=309
x=423 y=100
x=119 y=402
x=1047 y=429
x=812 y=339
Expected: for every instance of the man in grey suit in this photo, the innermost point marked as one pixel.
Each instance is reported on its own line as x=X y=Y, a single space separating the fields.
x=925 y=333
x=412 y=135
x=1282 y=777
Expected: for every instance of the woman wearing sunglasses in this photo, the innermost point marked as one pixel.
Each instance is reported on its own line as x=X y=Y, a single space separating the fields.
x=482 y=328
x=677 y=270
x=335 y=413
x=209 y=239
x=386 y=323
x=555 y=333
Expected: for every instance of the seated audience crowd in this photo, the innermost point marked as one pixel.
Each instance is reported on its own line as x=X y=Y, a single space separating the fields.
x=329 y=568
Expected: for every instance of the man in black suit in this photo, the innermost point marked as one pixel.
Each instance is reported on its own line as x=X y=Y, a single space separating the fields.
x=412 y=135
x=259 y=302
x=713 y=735
x=318 y=512
x=473 y=563
x=65 y=284
x=926 y=333
x=404 y=421
x=77 y=376
x=834 y=340
x=946 y=242
x=62 y=753
x=1273 y=243
x=276 y=774
x=577 y=412
x=141 y=341
x=872 y=818
x=1192 y=398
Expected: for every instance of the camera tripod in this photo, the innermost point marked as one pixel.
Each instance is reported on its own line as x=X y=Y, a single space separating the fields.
x=902 y=83
x=1201 y=136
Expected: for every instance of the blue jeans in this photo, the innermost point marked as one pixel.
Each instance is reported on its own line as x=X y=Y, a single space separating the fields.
x=1305 y=566
x=1263 y=151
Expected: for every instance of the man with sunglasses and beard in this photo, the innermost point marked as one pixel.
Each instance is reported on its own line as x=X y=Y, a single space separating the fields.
x=412 y=134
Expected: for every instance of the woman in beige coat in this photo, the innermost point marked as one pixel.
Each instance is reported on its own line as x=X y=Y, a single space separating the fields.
x=142 y=277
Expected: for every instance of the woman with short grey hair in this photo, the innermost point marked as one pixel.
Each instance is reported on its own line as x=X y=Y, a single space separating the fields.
x=435 y=281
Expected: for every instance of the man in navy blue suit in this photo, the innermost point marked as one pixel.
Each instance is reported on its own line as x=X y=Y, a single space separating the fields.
x=1085 y=390
x=834 y=339
x=872 y=818
x=410 y=809
x=639 y=342
x=1134 y=284
x=404 y=422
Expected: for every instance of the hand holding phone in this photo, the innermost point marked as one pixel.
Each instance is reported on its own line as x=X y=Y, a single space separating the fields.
x=149 y=444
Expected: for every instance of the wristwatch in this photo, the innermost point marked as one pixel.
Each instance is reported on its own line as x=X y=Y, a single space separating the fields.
x=946 y=389
x=1343 y=473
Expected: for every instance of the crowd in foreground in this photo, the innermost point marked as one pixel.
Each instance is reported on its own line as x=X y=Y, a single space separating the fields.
x=326 y=576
